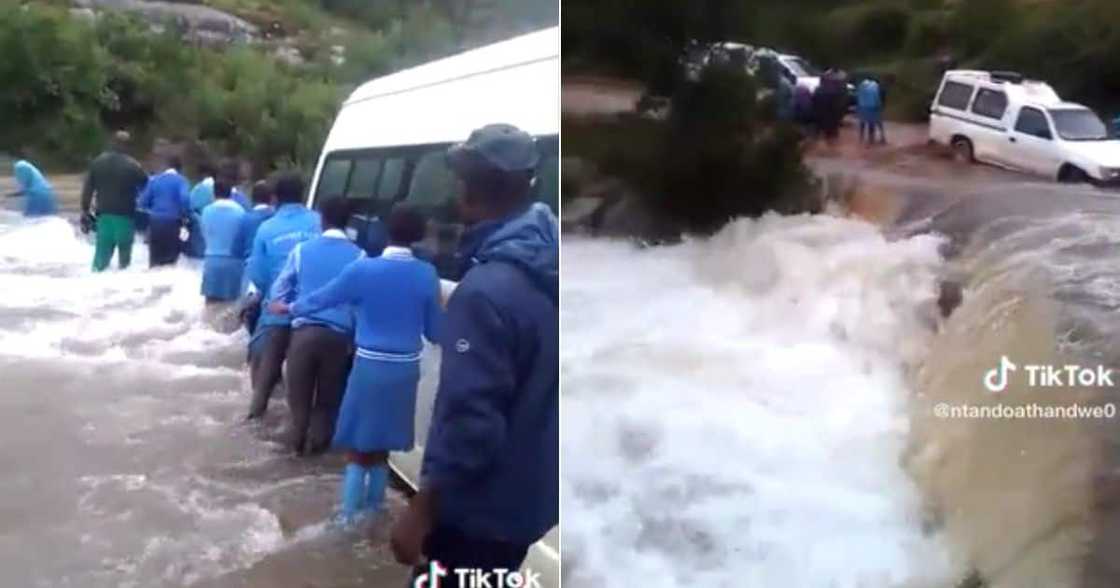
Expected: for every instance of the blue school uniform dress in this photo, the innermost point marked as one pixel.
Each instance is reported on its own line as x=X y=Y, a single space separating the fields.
x=38 y=194
x=396 y=298
x=224 y=266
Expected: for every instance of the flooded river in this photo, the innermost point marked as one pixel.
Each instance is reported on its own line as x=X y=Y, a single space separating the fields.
x=759 y=404
x=127 y=462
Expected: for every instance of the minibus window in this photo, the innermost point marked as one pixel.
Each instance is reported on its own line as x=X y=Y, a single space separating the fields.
x=363 y=179
x=434 y=187
x=547 y=188
x=390 y=184
x=333 y=181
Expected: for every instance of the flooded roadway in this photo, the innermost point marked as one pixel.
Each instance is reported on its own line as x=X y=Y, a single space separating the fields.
x=127 y=460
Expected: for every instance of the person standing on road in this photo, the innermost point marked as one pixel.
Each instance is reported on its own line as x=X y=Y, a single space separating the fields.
x=320 y=351
x=39 y=199
x=113 y=184
x=397 y=299
x=292 y=224
x=166 y=199
x=869 y=104
x=490 y=474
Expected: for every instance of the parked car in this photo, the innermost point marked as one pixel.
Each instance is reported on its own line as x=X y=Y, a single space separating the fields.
x=697 y=56
x=1003 y=119
x=797 y=70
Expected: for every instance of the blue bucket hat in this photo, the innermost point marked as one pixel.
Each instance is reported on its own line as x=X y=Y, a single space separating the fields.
x=498 y=147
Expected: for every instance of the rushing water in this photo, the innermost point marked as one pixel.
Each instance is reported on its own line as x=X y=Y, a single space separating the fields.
x=125 y=456
x=760 y=405
x=735 y=408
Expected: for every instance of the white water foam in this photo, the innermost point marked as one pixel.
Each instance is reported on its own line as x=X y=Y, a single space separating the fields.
x=734 y=409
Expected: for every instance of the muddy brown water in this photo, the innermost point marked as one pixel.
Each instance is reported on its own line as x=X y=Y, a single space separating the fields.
x=1024 y=502
x=127 y=462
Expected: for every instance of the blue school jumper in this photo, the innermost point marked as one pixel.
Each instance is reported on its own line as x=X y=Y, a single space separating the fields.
x=396 y=297
x=312 y=265
x=224 y=266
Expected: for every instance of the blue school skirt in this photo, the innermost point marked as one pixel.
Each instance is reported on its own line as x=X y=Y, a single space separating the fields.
x=379 y=409
x=221 y=277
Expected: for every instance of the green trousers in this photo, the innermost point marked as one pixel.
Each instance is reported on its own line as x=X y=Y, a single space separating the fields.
x=113 y=232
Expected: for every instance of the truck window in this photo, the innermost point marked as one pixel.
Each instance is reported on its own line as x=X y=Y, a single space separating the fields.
x=1032 y=122
x=955 y=95
x=990 y=103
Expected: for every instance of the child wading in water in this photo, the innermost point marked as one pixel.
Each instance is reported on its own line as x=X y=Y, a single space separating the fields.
x=397 y=300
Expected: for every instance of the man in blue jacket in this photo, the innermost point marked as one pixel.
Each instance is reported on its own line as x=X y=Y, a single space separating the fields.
x=490 y=475
x=321 y=342
x=166 y=199
x=291 y=225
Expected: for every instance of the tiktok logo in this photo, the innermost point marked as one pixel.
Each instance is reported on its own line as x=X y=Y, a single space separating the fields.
x=431 y=579
x=996 y=379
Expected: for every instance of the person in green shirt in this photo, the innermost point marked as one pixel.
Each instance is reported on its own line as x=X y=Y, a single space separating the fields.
x=112 y=185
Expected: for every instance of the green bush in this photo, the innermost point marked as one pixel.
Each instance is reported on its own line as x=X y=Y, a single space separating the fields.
x=717 y=156
x=867 y=29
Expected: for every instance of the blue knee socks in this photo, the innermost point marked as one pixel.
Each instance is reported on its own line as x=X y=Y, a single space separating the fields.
x=375 y=491
x=362 y=490
x=353 y=490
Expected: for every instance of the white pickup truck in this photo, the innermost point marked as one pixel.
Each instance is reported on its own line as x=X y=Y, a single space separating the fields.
x=1001 y=119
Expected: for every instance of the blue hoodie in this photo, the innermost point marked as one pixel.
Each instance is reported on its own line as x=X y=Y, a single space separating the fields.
x=291 y=225
x=167 y=196
x=492 y=453
x=38 y=193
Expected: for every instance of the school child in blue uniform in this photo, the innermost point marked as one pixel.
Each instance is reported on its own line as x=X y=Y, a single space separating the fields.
x=224 y=267
x=292 y=224
x=320 y=350
x=39 y=199
x=166 y=199
x=397 y=301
